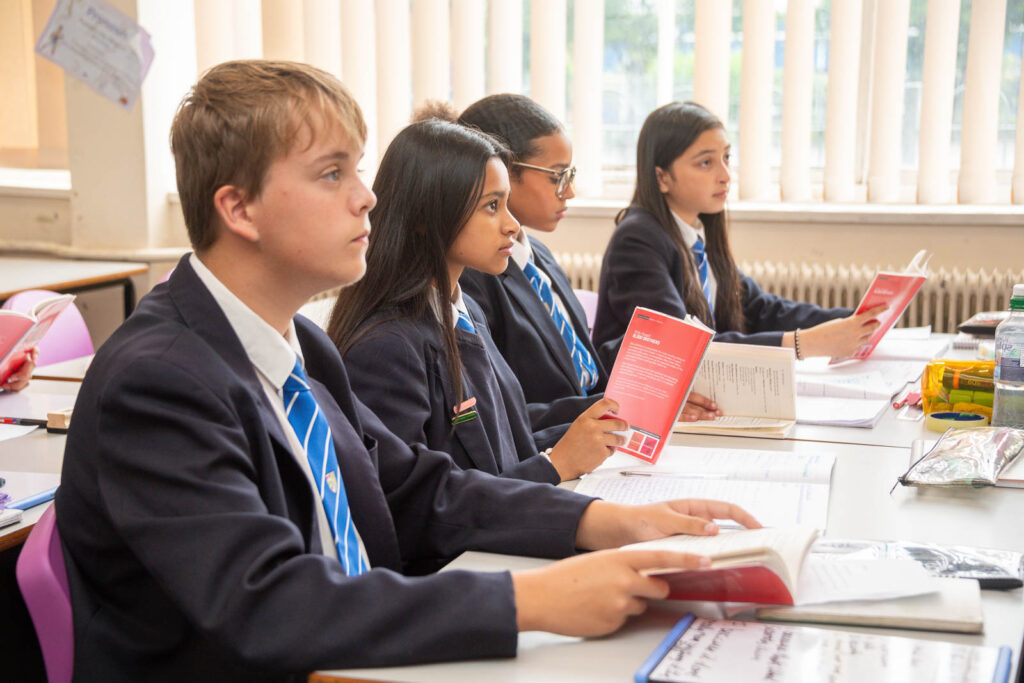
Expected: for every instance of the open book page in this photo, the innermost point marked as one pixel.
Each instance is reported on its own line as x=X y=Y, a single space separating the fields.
x=748 y=380
x=737 y=422
x=721 y=651
x=877 y=379
x=735 y=463
x=843 y=412
x=824 y=579
x=777 y=504
x=954 y=606
x=911 y=349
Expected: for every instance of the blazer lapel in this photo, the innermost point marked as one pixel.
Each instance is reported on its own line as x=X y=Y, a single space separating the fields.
x=472 y=434
x=520 y=289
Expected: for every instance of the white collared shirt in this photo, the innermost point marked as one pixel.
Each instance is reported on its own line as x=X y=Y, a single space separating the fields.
x=690 y=235
x=273 y=358
x=522 y=253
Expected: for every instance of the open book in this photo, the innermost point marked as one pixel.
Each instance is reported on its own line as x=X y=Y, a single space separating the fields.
x=895 y=290
x=652 y=376
x=20 y=332
x=779 y=489
x=762 y=390
x=753 y=386
x=756 y=565
x=772 y=566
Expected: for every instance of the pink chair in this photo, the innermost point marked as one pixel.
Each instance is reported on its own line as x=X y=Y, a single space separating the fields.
x=43 y=580
x=68 y=337
x=588 y=300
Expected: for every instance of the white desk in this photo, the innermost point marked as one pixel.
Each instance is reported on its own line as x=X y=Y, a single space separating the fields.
x=860 y=507
x=18 y=273
x=38 y=451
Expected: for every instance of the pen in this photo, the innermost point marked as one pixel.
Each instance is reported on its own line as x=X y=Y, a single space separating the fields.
x=32 y=501
x=22 y=421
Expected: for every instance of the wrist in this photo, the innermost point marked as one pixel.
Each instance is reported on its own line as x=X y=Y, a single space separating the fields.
x=796 y=344
x=601 y=526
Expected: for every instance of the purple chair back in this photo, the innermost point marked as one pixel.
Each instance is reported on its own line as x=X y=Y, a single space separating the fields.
x=588 y=300
x=68 y=337
x=43 y=580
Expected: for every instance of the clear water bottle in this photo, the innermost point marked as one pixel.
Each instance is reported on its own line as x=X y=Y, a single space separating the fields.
x=1008 y=409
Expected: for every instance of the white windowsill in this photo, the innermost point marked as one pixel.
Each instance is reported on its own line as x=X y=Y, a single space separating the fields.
x=1010 y=215
x=56 y=184
x=33 y=182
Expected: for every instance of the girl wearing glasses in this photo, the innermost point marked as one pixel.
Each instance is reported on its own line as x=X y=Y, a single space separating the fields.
x=670 y=250
x=536 y=320
x=418 y=353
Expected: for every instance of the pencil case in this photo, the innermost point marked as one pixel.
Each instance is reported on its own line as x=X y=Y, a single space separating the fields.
x=964 y=386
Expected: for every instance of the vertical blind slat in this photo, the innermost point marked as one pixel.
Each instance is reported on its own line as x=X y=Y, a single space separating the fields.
x=798 y=74
x=712 y=41
x=938 y=78
x=756 y=82
x=980 y=123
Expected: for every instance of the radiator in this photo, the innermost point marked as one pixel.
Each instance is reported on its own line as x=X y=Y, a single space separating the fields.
x=948 y=297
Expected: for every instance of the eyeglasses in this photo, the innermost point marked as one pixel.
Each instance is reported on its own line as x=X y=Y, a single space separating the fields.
x=566 y=177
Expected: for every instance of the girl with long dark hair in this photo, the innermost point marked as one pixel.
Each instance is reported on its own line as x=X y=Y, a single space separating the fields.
x=417 y=351
x=533 y=314
x=670 y=250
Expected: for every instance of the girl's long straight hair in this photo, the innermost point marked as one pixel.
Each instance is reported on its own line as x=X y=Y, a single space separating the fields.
x=428 y=183
x=667 y=133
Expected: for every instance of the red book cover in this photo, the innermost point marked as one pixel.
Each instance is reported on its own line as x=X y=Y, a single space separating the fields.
x=20 y=332
x=754 y=583
x=896 y=290
x=652 y=375
x=755 y=565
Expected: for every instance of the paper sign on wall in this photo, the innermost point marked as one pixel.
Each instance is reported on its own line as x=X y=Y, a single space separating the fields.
x=100 y=46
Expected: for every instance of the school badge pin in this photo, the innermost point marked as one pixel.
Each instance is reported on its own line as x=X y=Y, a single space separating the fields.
x=332 y=482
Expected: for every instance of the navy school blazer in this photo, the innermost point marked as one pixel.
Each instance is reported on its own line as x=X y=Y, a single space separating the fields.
x=642 y=266
x=416 y=399
x=190 y=533
x=525 y=334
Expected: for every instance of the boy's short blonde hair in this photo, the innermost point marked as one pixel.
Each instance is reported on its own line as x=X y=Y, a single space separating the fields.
x=241 y=117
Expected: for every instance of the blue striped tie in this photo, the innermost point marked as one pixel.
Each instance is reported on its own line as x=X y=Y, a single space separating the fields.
x=313 y=432
x=464 y=322
x=582 y=362
x=702 y=268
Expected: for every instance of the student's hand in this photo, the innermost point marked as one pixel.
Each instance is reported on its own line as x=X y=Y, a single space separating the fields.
x=609 y=525
x=700 y=407
x=589 y=440
x=592 y=595
x=18 y=379
x=841 y=337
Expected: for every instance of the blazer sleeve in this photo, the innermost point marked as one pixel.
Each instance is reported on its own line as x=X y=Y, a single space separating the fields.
x=641 y=267
x=769 y=313
x=176 y=477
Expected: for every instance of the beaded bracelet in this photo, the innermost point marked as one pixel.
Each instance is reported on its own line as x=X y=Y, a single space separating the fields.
x=796 y=344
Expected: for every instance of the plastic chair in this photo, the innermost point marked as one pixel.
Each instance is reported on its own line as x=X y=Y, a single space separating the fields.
x=68 y=337
x=588 y=300
x=43 y=580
